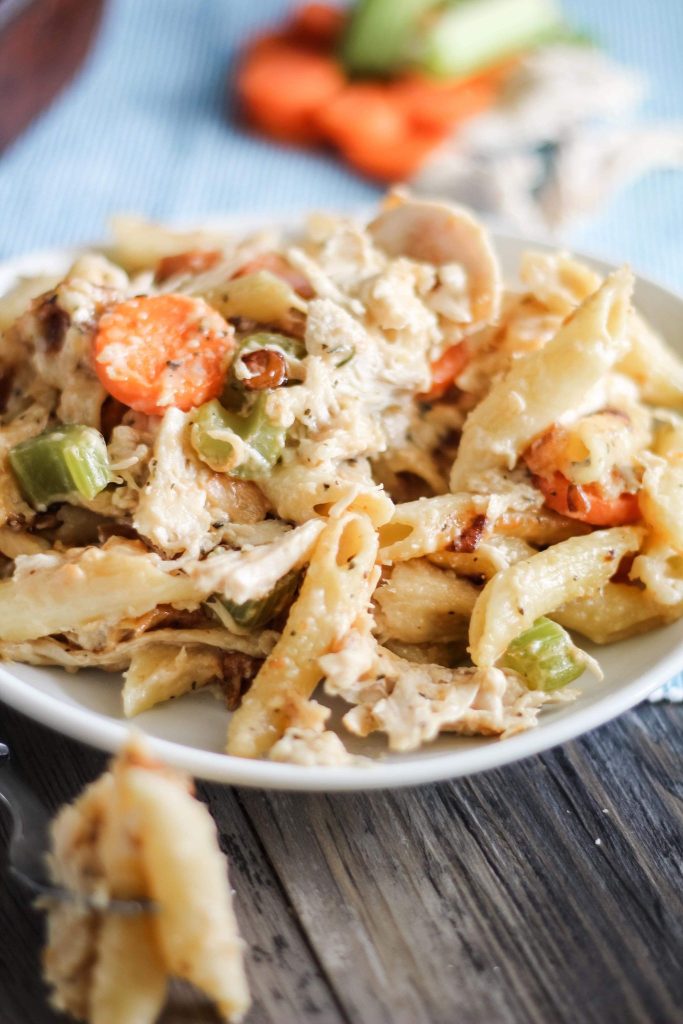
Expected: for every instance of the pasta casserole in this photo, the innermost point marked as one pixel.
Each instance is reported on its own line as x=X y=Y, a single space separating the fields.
x=343 y=465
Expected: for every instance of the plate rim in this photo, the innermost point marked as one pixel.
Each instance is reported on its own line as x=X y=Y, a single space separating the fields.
x=99 y=730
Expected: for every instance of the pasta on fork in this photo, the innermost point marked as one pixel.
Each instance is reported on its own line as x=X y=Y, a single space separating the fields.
x=342 y=463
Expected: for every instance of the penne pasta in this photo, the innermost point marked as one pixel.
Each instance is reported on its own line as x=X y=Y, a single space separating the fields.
x=612 y=613
x=513 y=600
x=336 y=591
x=138 y=833
x=420 y=603
x=97 y=581
x=657 y=371
x=661 y=498
x=545 y=385
x=430 y=524
x=195 y=925
x=492 y=555
x=160 y=672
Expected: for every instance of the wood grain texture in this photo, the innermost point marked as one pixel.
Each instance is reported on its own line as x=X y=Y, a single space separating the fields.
x=481 y=901
x=283 y=972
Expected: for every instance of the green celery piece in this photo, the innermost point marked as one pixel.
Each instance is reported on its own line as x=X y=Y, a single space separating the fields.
x=61 y=464
x=258 y=613
x=474 y=34
x=265 y=438
x=544 y=656
x=380 y=35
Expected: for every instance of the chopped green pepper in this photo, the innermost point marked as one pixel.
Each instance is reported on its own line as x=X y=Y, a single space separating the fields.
x=259 y=612
x=544 y=656
x=61 y=464
x=242 y=446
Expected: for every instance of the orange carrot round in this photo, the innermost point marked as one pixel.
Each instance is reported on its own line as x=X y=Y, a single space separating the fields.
x=158 y=351
x=362 y=115
x=387 y=165
x=283 y=84
x=318 y=24
x=434 y=104
x=374 y=133
x=587 y=502
x=445 y=370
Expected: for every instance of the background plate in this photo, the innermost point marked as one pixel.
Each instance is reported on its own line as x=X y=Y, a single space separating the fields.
x=190 y=732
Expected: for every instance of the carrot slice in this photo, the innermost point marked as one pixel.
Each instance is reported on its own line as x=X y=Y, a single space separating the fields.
x=433 y=104
x=279 y=266
x=283 y=84
x=157 y=351
x=374 y=134
x=362 y=115
x=194 y=261
x=392 y=164
x=318 y=24
x=588 y=502
x=445 y=370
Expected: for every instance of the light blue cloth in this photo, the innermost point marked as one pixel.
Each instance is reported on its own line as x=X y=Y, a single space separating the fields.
x=145 y=128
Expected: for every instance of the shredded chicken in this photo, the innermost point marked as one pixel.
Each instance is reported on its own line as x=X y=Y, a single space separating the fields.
x=412 y=703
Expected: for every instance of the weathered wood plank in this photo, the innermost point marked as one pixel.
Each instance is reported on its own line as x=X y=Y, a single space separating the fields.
x=484 y=901
x=284 y=975
x=488 y=901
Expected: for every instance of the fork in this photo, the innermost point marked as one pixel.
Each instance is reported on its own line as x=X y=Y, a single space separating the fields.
x=29 y=843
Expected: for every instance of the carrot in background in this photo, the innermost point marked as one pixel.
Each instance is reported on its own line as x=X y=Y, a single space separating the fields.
x=293 y=89
x=374 y=133
x=318 y=24
x=282 y=85
x=432 y=104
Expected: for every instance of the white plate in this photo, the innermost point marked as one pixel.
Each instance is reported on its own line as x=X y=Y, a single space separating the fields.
x=190 y=732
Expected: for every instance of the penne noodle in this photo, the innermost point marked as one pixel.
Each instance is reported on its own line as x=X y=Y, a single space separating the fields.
x=514 y=598
x=661 y=498
x=336 y=591
x=421 y=603
x=159 y=672
x=612 y=613
x=429 y=524
x=545 y=385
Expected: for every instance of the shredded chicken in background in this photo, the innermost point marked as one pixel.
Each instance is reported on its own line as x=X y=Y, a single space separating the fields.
x=558 y=145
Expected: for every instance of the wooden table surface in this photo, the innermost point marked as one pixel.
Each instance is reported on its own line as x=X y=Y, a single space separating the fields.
x=542 y=893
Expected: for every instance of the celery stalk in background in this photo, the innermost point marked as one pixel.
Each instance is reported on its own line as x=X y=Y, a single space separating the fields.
x=381 y=35
x=473 y=34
